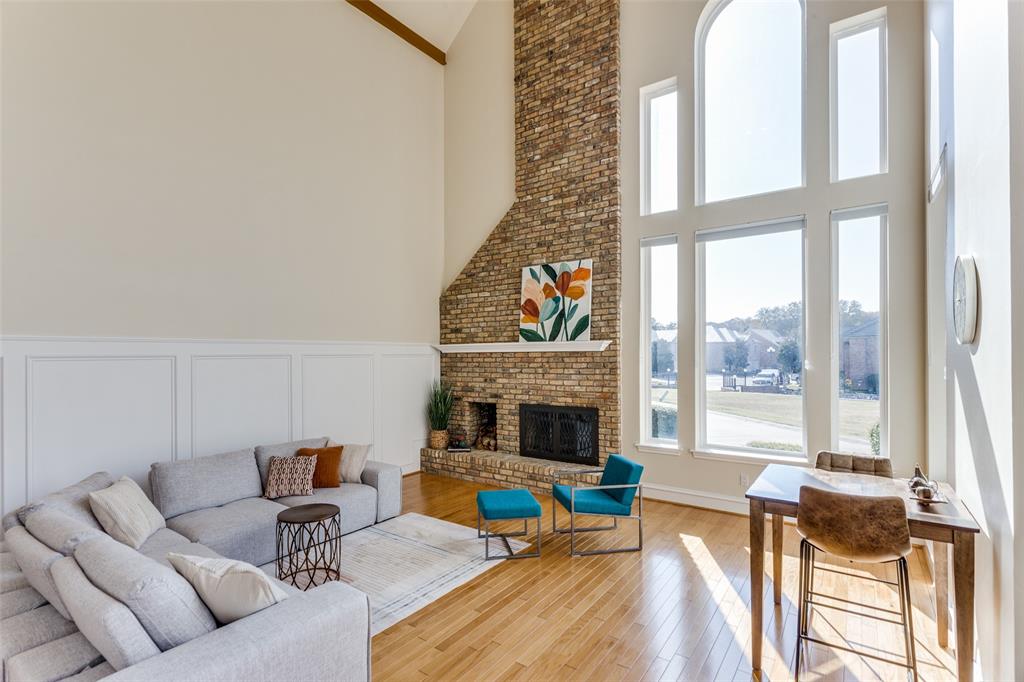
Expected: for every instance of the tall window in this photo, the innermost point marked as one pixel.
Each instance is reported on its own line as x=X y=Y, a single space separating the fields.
x=659 y=334
x=750 y=82
x=858 y=96
x=859 y=329
x=658 y=147
x=750 y=338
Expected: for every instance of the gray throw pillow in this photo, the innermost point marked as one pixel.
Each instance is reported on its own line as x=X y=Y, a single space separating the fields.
x=72 y=500
x=166 y=605
x=57 y=530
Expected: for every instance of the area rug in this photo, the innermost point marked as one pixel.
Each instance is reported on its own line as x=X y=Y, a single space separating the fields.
x=411 y=560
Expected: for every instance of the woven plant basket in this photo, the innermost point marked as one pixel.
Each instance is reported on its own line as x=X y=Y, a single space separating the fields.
x=438 y=439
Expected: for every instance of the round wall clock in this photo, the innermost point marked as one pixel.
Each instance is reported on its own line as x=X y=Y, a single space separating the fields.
x=965 y=299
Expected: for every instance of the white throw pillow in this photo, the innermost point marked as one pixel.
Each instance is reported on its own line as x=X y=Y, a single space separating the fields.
x=126 y=513
x=230 y=589
x=353 y=459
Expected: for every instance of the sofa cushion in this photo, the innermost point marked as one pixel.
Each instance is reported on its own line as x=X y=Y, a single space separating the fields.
x=31 y=629
x=19 y=601
x=230 y=589
x=72 y=500
x=186 y=485
x=108 y=624
x=245 y=530
x=290 y=476
x=165 y=604
x=57 y=530
x=265 y=452
x=353 y=461
x=92 y=674
x=54 y=660
x=163 y=541
x=35 y=560
x=11 y=577
x=357 y=502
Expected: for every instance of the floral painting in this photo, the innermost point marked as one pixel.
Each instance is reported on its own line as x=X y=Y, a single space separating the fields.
x=555 y=303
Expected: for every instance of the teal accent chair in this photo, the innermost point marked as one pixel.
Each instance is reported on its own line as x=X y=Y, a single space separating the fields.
x=613 y=496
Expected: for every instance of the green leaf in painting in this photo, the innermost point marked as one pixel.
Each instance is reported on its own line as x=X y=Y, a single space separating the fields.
x=550 y=307
x=550 y=272
x=556 y=327
x=530 y=335
x=534 y=275
x=581 y=326
x=572 y=311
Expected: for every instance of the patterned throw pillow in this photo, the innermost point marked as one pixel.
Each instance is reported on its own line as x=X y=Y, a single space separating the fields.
x=290 y=476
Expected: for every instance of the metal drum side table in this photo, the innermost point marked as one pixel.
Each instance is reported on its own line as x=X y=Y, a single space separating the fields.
x=309 y=545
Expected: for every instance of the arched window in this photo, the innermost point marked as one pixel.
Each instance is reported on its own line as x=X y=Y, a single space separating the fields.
x=750 y=85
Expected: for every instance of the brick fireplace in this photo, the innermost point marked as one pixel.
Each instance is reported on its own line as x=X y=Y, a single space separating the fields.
x=567 y=208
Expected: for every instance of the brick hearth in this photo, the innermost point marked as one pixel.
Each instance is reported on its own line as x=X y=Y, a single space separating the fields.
x=500 y=469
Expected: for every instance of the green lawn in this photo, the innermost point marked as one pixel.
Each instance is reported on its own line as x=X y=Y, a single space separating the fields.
x=857 y=416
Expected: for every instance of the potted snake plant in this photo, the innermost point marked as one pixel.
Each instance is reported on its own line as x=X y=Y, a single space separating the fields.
x=439 y=413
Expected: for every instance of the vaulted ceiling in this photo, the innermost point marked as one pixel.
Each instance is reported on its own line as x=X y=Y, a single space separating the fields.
x=438 y=21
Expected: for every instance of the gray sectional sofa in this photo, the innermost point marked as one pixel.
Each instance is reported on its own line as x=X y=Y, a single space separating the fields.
x=78 y=605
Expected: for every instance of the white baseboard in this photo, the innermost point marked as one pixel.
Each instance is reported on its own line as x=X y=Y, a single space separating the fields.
x=72 y=406
x=697 y=498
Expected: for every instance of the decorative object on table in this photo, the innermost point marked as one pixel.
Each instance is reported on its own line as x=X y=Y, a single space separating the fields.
x=506 y=505
x=613 y=496
x=290 y=476
x=965 y=299
x=555 y=302
x=439 y=413
x=309 y=545
x=886 y=541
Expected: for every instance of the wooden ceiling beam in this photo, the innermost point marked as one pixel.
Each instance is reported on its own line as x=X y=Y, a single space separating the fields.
x=392 y=24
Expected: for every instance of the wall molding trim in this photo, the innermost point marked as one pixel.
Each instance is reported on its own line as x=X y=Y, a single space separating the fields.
x=75 y=405
x=697 y=498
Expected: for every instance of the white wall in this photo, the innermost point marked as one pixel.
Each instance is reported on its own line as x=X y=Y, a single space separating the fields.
x=75 y=406
x=248 y=170
x=479 y=125
x=983 y=396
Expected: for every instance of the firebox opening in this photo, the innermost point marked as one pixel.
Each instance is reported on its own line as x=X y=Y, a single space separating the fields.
x=563 y=434
x=487 y=426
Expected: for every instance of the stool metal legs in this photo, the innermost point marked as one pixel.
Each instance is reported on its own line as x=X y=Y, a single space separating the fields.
x=807 y=594
x=487 y=535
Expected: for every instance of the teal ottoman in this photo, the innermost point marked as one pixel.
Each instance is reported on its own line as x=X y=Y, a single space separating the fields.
x=506 y=505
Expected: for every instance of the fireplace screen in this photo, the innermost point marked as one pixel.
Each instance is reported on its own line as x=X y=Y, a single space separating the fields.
x=563 y=434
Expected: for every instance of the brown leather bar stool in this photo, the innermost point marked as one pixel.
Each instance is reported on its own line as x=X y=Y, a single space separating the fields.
x=871 y=530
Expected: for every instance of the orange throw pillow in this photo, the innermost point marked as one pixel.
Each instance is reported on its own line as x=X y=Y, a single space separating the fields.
x=328 y=465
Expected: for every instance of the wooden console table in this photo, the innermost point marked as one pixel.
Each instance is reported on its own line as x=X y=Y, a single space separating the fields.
x=777 y=492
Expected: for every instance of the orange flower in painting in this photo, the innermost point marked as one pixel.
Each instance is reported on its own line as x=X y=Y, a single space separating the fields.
x=563 y=282
x=549 y=291
x=531 y=313
x=577 y=287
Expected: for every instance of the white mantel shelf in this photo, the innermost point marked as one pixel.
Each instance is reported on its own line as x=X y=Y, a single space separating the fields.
x=517 y=347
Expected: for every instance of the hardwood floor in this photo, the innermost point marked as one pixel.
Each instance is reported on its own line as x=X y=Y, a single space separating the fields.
x=678 y=610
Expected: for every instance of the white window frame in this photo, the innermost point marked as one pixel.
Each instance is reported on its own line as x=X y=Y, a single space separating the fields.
x=838 y=216
x=648 y=93
x=707 y=19
x=844 y=29
x=645 y=344
x=702 y=237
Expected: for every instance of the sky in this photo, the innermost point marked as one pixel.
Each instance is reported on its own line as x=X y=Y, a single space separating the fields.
x=753 y=94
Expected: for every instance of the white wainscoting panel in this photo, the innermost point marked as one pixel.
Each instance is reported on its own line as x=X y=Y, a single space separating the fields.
x=239 y=401
x=72 y=406
x=337 y=393
x=86 y=414
x=404 y=384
